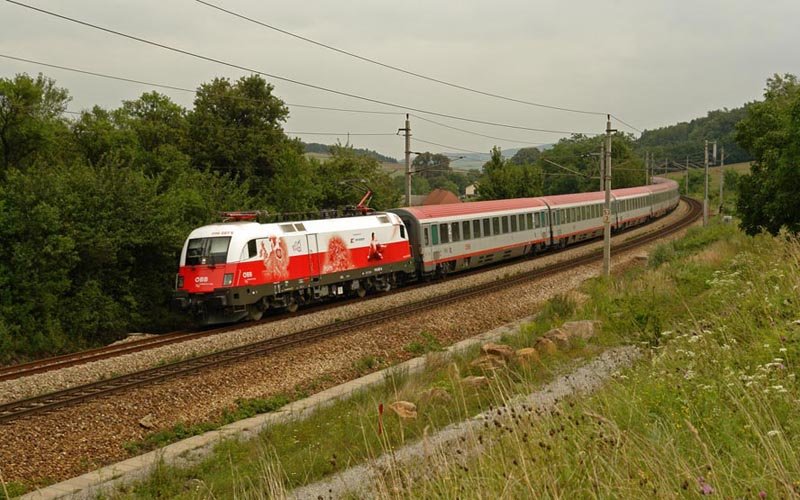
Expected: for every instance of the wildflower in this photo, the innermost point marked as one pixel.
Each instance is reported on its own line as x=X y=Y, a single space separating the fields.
x=762 y=494
x=782 y=349
x=705 y=488
x=773 y=433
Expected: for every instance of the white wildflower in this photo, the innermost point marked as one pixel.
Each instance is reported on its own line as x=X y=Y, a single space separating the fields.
x=694 y=339
x=782 y=349
x=773 y=433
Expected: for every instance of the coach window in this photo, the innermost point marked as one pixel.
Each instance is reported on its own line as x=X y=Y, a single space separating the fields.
x=505 y=224
x=455 y=231
x=530 y=221
x=476 y=228
x=426 y=236
x=465 y=230
x=435 y=234
x=522 y=222
x=513 y=223
x=444 y=232
x=487 y=228
x=495 y=226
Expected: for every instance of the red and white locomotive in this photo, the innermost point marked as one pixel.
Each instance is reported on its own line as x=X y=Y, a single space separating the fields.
x=239 y=269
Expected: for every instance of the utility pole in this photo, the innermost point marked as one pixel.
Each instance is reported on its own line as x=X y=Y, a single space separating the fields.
x=646 y=167
x=721 y=176
x=687 y=176
x=607 y=208
x=407 y=133
x=705 y=195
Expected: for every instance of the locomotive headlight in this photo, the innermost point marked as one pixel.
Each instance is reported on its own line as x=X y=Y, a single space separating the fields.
x=227 y=279
x=179 y=282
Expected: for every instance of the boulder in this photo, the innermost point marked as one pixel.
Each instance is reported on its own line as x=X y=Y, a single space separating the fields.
x=560 y=338
x=404 y=409
x=488 y=362
x=436 y=394
x=148 y=421
x=473 y=381
x=584 y=330
x=501 y=350
x=527 y=356
x=545 y=346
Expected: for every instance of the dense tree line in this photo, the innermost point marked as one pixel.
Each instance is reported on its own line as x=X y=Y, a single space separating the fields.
x=94 y=209
x=685 y=139
x=768 y=196
x=570 y=166
x=315 y=147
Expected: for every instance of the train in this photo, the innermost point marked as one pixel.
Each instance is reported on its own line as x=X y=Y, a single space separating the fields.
x=239 y=269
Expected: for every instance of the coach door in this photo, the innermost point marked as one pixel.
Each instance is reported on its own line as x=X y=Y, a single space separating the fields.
x=313 y=255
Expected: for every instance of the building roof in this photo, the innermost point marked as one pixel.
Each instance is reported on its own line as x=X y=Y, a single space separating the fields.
x=440 y=197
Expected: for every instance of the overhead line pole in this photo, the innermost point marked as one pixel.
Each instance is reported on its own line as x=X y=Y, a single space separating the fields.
x=705 y=195
x=721 y=176
x=687 y=175
x=407 y=133
x=607 y=208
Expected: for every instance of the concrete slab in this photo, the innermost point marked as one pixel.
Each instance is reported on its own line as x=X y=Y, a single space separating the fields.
x=195 y=448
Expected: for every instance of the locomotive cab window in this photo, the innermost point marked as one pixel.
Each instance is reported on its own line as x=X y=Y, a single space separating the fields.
x=402 y=231
x=210 y=251
x=252 y=250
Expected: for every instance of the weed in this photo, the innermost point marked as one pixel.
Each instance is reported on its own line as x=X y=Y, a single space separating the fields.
x=427 y=343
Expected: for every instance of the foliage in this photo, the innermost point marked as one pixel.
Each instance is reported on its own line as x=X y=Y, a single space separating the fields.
x=526 y=156
x=31 y=123
x=768 y=198
x=502 y=179
x=344 y=178
x=684 y=139
x=430 y=165
x=314 y=147
x=426 y=343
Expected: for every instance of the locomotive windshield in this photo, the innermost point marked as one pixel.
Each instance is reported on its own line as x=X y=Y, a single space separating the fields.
x=207 y=250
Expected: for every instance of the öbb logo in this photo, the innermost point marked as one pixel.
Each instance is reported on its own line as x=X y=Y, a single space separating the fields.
x=201 y=279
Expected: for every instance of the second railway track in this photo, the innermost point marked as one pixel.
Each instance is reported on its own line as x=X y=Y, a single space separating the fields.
x=48 y=402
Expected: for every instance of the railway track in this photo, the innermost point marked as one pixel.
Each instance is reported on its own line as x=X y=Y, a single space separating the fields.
x=48 y=402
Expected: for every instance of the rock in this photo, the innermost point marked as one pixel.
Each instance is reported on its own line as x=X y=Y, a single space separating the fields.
x=501 y=350
x=527 y=356
x=560 y=338
x=488 y=362
x=404 y=409
x=148 y=421
x=436 y=393
x=545 y=346
x=584 y=330
x=473 y=381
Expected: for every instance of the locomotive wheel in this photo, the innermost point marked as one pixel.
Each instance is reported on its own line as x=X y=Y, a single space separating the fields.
x=361 y=292
x=254 y=313
x=292 y=305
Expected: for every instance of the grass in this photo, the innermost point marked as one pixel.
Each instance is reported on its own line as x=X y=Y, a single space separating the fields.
x=712 y=409
x=427 y=343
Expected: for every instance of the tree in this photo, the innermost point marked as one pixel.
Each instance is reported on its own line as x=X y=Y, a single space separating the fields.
x=236 y=128
x=343 y=179
x=526 y=156
x=768 y=198
x=501 y=179
x=31 y=123
x=430 y=165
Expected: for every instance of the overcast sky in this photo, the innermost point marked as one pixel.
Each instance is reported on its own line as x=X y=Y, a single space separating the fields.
x=651 y=63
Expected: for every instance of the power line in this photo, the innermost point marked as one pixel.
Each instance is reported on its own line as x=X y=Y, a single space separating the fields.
x=183 y=89
x=340 y=133
x=479 y=134
x=276 y=77
x=448 y=147
x=401 y=70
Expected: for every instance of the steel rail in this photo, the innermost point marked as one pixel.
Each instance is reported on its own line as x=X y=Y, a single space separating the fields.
x=48 y=402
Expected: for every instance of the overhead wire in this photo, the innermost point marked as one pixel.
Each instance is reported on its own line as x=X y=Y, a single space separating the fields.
x=396 y=68
x=183 y=89
x=281 y=78
x=515 y=141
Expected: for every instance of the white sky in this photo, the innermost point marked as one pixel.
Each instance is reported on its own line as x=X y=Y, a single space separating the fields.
x=652 y=63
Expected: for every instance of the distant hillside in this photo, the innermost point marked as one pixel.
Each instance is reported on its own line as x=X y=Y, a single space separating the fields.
x=323 y=149
x=676 y=142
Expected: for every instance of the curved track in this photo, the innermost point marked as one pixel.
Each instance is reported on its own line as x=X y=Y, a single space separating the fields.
x=48 y=402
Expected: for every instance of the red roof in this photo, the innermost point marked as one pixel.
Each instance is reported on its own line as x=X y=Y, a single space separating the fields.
x=569 y=199
x=440 y=197
x=473 y=207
